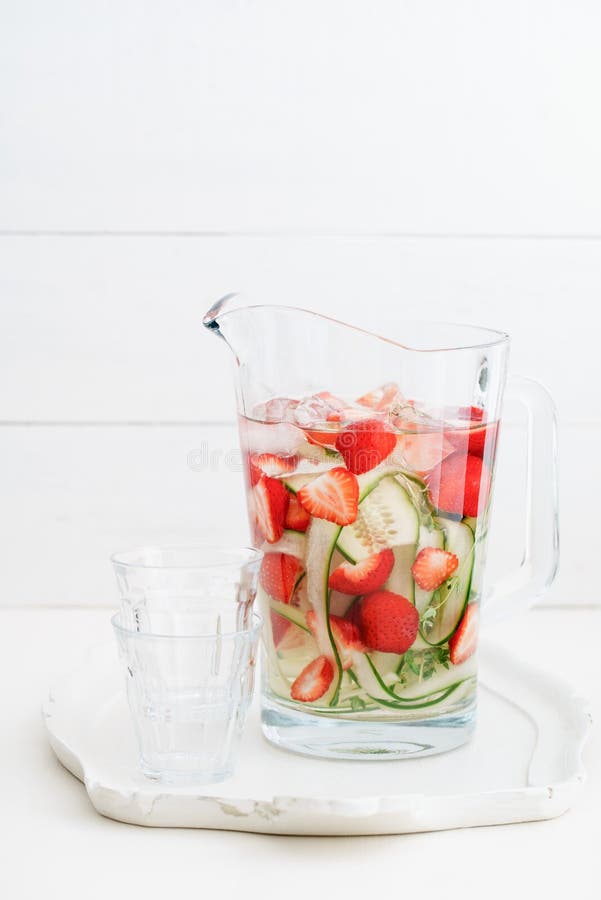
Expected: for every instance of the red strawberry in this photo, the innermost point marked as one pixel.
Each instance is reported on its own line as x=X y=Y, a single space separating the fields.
x=331 y=400
x=254 y=472
x=279 y=628
x=270 y=502
x=460 y=485
x=478 y=437
x=365 y=444
x=477 y=441
x=483 y=439
x=382 y=398
x=286 y=635
x=272 y=464
x=279 y=575
x=472 y=413
x=464 y=641
x=297 y=518
x=321 y=438
x=346 y=637
x=432 y=567
x=387 y=621
x=333 y=496
x=313 y=681
x=362 y=577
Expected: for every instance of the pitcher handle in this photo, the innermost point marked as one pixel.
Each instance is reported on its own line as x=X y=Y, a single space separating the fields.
x=517 y=591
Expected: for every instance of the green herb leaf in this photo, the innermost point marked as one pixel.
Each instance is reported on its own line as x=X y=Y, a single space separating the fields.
x=356 y=703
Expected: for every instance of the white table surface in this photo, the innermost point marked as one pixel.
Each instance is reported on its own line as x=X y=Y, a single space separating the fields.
x=53 y=844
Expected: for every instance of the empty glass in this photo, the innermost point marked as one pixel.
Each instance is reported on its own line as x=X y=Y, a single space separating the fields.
x=188 y=639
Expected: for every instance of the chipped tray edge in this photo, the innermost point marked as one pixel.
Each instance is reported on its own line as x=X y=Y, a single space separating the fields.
x=394 y=814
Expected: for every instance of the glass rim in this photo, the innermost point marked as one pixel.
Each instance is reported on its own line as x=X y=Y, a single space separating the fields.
x=245 y=555
x=496 y=337
x=254 y=627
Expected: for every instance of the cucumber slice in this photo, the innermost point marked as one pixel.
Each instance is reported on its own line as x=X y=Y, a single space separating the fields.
x=387 y=518
x=400 y=579
x=374 y=685
x=451 y=597
x=471 y=522
x=292 y=613
x=293 y=543
x=295 y=482
x=339 y=603
x=322 y=537
x=321 y=543
x=427 y=538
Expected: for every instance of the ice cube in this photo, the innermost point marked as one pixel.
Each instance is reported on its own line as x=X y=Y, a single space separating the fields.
x=275 y=410
x=384 y=399
x=317 y=409
x=421 y=452
x=272 y=437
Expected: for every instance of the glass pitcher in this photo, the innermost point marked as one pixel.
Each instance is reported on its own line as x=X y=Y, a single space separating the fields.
x=369 y=461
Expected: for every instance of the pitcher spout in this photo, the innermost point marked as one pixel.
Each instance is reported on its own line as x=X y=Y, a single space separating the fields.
x=212 y=315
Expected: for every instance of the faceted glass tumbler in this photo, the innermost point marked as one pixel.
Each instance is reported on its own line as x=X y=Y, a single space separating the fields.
x=188 y=640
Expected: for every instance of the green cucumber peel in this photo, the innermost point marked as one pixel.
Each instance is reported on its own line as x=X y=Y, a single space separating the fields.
x=392 y=694
x=346 y=555
x=291 y=613
x=320 y=532
x=446 y=692
x=369 y=707
x=336 y=695
x=369 y=487
x=440 y=599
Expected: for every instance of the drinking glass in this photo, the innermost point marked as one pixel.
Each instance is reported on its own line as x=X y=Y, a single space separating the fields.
x=188 y=639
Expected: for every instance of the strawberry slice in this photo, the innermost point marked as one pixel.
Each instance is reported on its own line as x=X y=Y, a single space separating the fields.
x=333 y=496
x=286 y=635
x=463 y=643
x=279 y=628
x=432 y=567
x=346 y=637
x=313 y=681
x=254 y=472
x=279 y=575
x=459 y=485
x=271 y=464
x=331 y=400
x=471 y=413
x=477 y=439
x=321 y=438
x=297 y=518
x=365 y=444
x=382 y=398
x=362 y=577
x=270 y=504
x=387 y=621
x=482 y=441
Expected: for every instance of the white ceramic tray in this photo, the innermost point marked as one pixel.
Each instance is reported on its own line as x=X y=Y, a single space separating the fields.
x=523 y=764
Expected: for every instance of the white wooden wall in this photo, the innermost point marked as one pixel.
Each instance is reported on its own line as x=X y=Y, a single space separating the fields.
x=426 y=159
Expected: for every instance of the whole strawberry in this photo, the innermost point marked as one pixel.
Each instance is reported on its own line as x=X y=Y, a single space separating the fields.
x=386 y=621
